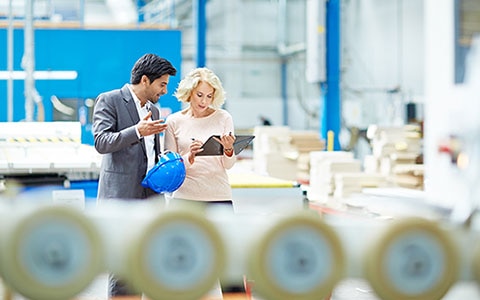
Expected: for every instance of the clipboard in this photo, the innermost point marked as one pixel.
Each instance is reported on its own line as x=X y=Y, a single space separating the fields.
x=212 y=147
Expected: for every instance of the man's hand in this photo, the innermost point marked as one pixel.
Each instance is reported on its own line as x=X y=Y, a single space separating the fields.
x=148 y=127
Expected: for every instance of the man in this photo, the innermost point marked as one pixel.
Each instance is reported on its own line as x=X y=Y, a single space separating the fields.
x=126 y=125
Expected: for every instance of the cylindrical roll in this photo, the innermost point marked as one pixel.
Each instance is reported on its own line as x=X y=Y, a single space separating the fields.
x=50 y=252
x=299 y=257
x=412 y=259
x=179 y=255
x=475 y=260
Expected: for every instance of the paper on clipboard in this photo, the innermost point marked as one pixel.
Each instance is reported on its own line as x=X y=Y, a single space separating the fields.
x=212 y=147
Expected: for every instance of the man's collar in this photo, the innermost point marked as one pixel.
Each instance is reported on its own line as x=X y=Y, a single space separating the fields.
x=135 y=98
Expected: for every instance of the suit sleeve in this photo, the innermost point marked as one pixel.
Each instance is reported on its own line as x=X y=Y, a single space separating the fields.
x=111 y=134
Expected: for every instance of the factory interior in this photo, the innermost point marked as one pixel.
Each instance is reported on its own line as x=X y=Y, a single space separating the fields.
x=360 y=182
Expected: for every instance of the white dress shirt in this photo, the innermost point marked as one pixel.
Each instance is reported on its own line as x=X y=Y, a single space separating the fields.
x=150 y=139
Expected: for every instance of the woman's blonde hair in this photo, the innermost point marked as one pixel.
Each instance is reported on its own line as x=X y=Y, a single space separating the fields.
x=191 y=81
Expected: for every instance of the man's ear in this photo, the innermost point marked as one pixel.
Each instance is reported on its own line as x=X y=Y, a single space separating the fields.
x=145 y=79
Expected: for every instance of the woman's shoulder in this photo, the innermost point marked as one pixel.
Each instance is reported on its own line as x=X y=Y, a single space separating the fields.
x=177 y=115
x=223 y=113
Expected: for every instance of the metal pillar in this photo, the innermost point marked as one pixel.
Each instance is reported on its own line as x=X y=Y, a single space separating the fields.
x=282 y=31
x=141 y=15
x=284 y=92
x=82 y=13
x=201 y=26
x=10 y=63
x=331 y=109
x=28 y=61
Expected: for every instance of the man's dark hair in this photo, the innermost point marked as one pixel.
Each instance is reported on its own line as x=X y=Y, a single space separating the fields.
x=152 y=66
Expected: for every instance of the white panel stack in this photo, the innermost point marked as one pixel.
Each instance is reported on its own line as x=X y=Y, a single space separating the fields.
x=395 y=145
x=273 y=154
x=347 y=184
x=323 y=166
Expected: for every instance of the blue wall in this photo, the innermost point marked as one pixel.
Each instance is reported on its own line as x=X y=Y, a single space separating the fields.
x=102 y=58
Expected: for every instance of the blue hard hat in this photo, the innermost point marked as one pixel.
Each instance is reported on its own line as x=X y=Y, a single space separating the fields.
x=167 y=175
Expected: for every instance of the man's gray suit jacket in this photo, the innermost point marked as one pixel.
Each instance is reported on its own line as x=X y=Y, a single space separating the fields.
x=124 y=161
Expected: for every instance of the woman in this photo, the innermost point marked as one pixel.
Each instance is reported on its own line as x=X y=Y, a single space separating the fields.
x=206 y=176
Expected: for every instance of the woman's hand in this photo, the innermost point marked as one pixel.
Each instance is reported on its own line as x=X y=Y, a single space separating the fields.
x=195 y=147
x=227 y=143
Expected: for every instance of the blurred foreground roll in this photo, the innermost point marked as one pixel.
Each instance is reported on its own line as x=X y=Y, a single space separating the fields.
x=49 y=252
x=412 y=259
x=299 y=257
x=476 y=262
x=179 y=255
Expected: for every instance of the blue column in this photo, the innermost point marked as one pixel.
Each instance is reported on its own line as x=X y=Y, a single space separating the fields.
x=201 y=23
x=331 y=115
x=141 y=17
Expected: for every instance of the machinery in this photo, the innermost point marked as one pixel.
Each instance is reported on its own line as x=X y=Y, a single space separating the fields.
x=36 y=154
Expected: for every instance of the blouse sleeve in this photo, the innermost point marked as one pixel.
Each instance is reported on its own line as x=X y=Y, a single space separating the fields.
x=229 y=161
x=170 y=142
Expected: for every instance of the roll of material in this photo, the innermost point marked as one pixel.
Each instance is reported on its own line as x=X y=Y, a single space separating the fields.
x=119 y=223
x=180 y=255
x=180 y=252
x=299 y=257
x=238 y=232
x=164 y=253
x=412 y=258
x=49 y=252
x=476 y=263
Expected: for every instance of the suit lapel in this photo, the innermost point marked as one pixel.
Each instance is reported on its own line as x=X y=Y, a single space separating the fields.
x=130 y=104
x=155 y=113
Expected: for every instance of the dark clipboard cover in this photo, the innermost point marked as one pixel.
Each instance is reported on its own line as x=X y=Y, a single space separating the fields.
x=212 y=147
